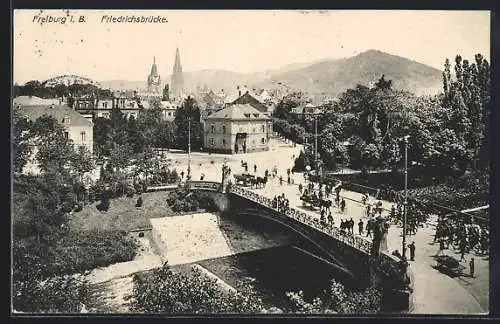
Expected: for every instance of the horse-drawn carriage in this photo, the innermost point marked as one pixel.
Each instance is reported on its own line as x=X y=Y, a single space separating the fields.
x=314 y=201
x=247 y=179
x=449 y=265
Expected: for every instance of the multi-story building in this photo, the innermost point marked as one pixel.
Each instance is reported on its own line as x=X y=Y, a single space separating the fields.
x=237 y=128
x=91 y=107
x=76 y=127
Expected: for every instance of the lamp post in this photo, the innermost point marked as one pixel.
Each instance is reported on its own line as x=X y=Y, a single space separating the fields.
x=189 y=149
x=406 y=195
x=224 y=172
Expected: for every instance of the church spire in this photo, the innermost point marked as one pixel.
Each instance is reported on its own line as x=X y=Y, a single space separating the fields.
x=177 y=77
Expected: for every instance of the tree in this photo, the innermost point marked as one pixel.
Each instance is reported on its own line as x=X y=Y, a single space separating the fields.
x=118 y=128
x=21 y=146
x=120 y=156
x=82 y=162
x=134 y=135
x=54 y=150
x=101 y=132
x=189 y=110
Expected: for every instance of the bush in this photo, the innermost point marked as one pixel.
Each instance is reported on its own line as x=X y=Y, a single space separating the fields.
x=139 y=202
x=300 y=163
x=337 y=300
x=104 y=205
x=78 y=208
x=68 y=253
x=80 y=251
x=164 y=291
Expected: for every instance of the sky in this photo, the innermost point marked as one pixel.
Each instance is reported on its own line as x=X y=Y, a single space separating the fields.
x=242 y=41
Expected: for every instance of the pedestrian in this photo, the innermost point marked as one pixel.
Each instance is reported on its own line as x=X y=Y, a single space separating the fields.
x=368 y=211
x=281 y=180
x=300 y=188
x=360 y=227
x=412 y=251
x=182 y=174
x=342 y=205
x=255 y=168
x=441 y=247
x=351 y=226
x=471 y=267
x=463 y=245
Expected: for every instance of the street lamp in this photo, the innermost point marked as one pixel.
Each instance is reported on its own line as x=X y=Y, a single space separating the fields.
x=406 y=195
x=225 y=170
x=189 y=149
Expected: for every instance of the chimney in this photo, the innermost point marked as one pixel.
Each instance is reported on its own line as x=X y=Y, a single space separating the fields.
x=239 y=91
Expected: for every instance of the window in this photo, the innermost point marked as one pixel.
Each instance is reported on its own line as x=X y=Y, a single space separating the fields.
x=212 y=141
x=105 y=104
x=223 y=129
x=223 y=142
x=169 y=113
x=263 y=129
x=241 y=128
x=263 y=140
x=82 y=134
x=66 y=135
x=212 y=128
x=253 y=130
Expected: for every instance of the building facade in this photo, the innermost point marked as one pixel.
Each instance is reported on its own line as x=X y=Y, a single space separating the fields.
x=76 y=127
x=236 y=129
x=91 y=107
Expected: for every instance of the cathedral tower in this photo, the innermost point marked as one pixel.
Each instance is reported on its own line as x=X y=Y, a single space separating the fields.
x=177 y=77
x=154 y=80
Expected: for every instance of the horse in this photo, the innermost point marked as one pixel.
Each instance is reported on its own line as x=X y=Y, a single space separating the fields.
x=325 y=204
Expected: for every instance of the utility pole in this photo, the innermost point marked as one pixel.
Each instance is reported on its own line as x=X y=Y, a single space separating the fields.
x=189 y=149
x=316 y=141
x=406 y=196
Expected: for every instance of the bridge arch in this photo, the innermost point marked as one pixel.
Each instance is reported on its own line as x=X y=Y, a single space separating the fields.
x=336 y=262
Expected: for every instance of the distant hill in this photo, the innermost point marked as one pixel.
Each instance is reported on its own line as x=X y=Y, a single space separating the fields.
x=332 y=77
x=68 y=80
x=328 y=77
x=123 y=84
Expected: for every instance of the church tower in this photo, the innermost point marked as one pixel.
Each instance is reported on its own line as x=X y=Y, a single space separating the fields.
x=177 y=77
x=154 y=80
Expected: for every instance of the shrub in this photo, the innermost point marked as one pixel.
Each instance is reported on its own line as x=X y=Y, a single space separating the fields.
x=78 y=208
x=336 y=299
x=104 y=205
x=139 y=202
x=164 y=291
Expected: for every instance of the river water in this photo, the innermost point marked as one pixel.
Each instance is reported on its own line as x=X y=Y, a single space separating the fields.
x=294 y=265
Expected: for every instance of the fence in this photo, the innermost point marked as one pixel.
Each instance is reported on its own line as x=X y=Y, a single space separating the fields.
x=357 y=242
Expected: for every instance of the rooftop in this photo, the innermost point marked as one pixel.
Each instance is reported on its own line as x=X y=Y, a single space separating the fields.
x=238 y=111
x=58 y=112
x=34 y=101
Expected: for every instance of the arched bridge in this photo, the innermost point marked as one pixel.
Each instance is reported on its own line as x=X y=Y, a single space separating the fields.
x=354 y=256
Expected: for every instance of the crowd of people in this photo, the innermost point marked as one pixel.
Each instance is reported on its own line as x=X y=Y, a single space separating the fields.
x=464 y=235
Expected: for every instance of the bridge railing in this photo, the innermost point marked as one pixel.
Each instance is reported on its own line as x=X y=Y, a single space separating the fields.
x=357 y=242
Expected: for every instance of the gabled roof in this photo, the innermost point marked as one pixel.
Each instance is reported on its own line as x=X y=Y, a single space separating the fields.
x=34 y=101
x=239 y=112
x=58 y=112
